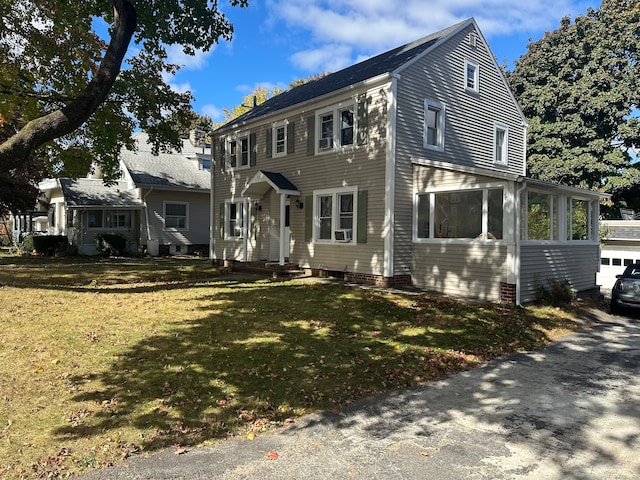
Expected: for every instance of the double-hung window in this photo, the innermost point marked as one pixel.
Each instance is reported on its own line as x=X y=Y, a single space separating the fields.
x=279 y=141
x=237 y=151
x=176 y=215
x=471 y=76
x=500 y=144
x=475 y=213
x=336 y=127
x=335 y=211
x=234 y=219
x=434 y=117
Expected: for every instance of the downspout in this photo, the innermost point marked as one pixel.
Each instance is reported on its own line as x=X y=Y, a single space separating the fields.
x=146 y=213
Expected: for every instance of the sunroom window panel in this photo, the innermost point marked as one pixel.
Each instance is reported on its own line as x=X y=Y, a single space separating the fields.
x=580 y=222
x=539 y=217
x=458 y=214
x=424 y=214
x=495 y=211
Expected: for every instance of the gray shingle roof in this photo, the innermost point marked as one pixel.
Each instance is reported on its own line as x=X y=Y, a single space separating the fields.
x=165 y=170
x=384 y=63
x=90 y=192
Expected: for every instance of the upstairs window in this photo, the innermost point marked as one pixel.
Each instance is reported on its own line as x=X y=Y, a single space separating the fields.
x=500 y=142
x=335 y=127
x=471 y=76
x=434 y=115
x=237 y=151
x=279 y=141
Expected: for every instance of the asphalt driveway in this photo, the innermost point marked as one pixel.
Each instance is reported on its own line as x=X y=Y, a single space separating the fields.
x=570 y=411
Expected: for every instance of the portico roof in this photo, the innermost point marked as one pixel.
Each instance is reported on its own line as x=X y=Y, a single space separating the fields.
x=264 y=181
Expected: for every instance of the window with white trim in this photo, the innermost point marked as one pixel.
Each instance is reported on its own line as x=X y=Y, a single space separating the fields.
x=471 y=76
x=176 y=216
x=500 y=144
x=476 y=213
x=335 y=212
x=579 y=220
x=434 y=115
x=279 y=141
x=335 y=127
x=539 y=216
x=237 y=151
x=234 y=219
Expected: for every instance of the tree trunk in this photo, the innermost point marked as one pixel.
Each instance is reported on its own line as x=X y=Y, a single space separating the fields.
x=17 y=148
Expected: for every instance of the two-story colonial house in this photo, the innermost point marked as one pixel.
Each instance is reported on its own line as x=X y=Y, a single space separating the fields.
x=406 y=168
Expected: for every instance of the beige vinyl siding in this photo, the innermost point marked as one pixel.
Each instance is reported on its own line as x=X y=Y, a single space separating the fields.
x=470 y=269
x=361 y=166
x=469 y=123
x=462 y=270
x=572 y=261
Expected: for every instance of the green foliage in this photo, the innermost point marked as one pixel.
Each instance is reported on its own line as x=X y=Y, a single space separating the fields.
x=111 y=244
x=59 y=66
x=556 y=293
x=578 y=87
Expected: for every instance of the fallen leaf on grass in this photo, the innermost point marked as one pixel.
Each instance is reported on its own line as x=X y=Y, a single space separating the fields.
x=272 y=455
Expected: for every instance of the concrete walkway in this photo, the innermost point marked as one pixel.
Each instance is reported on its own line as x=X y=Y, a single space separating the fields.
x=571 y=411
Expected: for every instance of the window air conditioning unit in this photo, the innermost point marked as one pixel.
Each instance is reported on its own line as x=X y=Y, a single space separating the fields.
x=325 y=143
x=343 y=235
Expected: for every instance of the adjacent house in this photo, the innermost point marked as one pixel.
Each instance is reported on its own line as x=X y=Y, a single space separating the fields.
x=161 y=202
x=406 y=168
x=620 y=246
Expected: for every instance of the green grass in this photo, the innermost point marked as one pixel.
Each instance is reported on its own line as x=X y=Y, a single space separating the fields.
x=101 y=360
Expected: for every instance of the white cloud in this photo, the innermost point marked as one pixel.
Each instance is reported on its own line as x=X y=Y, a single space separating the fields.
x=216 y=114
x=179 y=87
x=342 y=31
x=329 y=58
x=246 y=89
x=176 y=55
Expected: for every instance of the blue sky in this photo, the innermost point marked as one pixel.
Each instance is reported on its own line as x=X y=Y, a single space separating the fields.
x=278 y=41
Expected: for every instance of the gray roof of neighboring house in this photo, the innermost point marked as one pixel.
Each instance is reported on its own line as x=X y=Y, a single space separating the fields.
x=384 y=63
x=90 y=192
x=165 y=170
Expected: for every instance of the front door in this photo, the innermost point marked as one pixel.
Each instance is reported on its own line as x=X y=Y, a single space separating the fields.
x=274 y=228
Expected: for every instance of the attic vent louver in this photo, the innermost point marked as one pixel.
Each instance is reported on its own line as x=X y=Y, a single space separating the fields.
x=473 y=39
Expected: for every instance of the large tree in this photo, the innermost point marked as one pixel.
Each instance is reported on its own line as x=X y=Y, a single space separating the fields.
x=579 y=87
x=66 y=99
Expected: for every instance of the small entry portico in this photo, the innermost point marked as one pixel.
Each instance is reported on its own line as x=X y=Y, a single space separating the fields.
x=258 y=187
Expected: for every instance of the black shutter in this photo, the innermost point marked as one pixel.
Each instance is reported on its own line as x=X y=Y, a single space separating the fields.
x=362 y=216
x=291 y=137
x=311 y=135
x=253 y=152
x=269 y=142
x=308 y=219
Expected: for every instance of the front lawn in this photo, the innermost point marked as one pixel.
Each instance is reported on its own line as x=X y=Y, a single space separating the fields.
x=103 y=360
